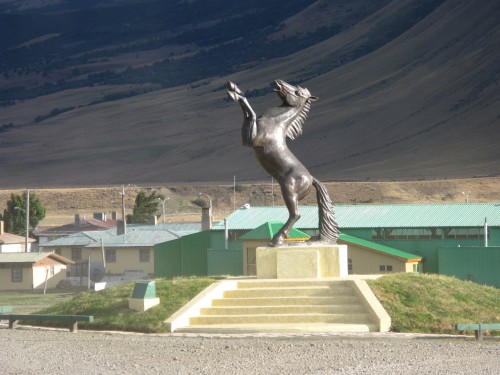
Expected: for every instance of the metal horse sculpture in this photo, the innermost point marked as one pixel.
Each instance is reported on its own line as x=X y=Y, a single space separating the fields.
x=267 y=135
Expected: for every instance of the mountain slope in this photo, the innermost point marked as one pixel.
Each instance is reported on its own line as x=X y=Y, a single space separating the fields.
x=408 y=90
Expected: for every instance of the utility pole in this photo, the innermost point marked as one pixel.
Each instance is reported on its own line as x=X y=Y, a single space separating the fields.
x=123 y=202
x=27 y=219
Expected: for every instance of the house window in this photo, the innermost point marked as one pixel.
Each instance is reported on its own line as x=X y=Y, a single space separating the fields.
x=76 y=254
x=388 y=268
x=17 y=274
x=144 y=255
x=58 y=251
x=349 y=266
x=382 y=268
x=110 y=255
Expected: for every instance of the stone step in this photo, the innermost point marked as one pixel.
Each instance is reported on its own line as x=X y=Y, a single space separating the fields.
x=287 y=292
x=280 y=328
x=283 y=283
x=292 y=300
x=280 y=318
x=283 y=309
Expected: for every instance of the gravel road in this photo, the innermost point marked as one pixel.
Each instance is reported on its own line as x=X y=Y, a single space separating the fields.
x=34 y=351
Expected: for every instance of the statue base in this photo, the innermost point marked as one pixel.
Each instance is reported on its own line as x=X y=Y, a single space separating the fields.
x=315 y=261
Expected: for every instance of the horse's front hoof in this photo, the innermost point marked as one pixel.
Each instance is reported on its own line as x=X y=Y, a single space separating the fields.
x=232 y=87
x=234 y=96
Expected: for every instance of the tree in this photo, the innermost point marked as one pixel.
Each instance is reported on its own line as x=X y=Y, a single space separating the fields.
x=145 y=208
x=15 y=218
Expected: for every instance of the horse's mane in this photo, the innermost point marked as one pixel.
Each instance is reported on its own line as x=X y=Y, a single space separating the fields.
x=295 y=127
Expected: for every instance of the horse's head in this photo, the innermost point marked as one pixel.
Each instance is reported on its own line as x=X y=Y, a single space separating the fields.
x=293 y=96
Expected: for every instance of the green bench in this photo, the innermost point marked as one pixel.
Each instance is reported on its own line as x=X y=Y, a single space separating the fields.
x=478 y=328
x=5 y=309
x=72 y=320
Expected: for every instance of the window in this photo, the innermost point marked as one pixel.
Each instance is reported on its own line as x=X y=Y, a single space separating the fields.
x=464 y=233
x=349 y=266
x=58 y=251
x=17 y=274
x=110 y=256
x=403 y=234
x=76 y=254
x=385 y=268
x=144 y=256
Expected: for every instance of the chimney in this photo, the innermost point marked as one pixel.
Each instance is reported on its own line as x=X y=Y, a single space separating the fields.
x=206 y=218
x=77 y=220
x=1 y=228
x=121 y=227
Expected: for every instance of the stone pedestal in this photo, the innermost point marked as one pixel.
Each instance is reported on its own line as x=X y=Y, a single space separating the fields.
x=304 y=261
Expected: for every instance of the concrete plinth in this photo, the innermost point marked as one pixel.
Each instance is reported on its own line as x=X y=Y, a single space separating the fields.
x=307 y=261
x=139 y=304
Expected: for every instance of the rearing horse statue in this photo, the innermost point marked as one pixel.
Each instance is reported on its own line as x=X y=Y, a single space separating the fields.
x=267 y=135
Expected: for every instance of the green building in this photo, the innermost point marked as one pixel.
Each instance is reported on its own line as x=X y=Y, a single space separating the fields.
x=456 y=239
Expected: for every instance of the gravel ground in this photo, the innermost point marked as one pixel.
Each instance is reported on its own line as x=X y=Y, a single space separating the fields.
x=40 y=351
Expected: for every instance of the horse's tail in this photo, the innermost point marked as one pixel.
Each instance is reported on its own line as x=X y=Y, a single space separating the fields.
x=328 y=227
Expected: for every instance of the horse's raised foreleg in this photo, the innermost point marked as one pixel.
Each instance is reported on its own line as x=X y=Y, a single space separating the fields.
x=249 y=129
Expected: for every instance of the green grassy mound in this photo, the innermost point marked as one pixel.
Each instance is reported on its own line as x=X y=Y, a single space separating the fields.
x=415 y=302
x=110 y=306
x=435 y=303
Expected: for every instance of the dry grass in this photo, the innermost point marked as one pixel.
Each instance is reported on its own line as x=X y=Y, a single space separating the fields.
x=62 y=204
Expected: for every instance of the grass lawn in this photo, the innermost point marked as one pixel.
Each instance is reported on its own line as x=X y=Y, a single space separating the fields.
x=415 y=303
x=435 y=303
x=25 y=302
x=110 y=306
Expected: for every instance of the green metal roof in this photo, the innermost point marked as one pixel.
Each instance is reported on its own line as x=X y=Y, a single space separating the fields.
x=267 y=231
x=345 y=238
x=374 y=216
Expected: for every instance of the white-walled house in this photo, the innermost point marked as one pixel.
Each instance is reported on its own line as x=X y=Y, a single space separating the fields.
x=12 y=243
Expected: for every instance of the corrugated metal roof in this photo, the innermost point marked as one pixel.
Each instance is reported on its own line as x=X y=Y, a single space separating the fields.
x=31 y=257
x=374 y=216
x=345 y=238
x=82 y=238
x=139 y=238
x=137 y=235
x=267 y=231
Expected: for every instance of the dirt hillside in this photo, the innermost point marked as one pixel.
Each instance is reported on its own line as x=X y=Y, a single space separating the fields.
x=184 y=200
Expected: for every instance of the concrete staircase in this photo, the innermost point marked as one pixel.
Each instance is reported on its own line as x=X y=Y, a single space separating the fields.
x=285 y=305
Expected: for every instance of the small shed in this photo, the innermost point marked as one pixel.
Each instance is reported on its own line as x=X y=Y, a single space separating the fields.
x=31 y=271
x=369 y=258
x=364 y=257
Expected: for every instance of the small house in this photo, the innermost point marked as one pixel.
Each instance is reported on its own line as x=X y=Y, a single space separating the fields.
x=12 y=243
x=32 y=271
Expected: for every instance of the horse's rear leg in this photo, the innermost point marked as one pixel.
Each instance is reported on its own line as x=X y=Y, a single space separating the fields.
x=291 y=199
